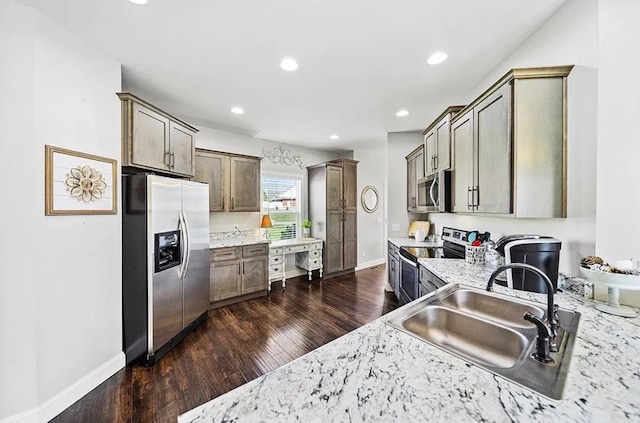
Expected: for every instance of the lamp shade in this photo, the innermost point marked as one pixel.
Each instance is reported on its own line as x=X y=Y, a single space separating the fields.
x=266 y=221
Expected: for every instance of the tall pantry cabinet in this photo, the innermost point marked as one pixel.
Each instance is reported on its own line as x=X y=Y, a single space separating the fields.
x=333 y=206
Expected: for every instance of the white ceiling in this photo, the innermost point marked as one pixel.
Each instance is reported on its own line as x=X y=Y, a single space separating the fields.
x=360 y=60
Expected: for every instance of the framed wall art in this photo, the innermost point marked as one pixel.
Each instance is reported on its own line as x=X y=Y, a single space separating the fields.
x=79 y=183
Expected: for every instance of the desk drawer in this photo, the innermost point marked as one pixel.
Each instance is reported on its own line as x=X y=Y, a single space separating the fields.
x=276 y=270
x=315 y=253
x=278 y=251
x=276 y=259
x=316 y=246
x=227 y=253
x=296 y=248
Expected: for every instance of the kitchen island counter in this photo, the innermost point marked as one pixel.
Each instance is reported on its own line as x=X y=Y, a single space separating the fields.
x=377 y=373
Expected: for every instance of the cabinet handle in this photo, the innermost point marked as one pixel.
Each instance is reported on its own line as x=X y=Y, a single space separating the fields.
x=243 y=268
x=469 y=205
x=167 y=159
x=173 y=160
x=435 y=162
x=476 y=196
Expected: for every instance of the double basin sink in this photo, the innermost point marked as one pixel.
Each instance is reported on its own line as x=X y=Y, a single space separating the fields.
x=488 y=330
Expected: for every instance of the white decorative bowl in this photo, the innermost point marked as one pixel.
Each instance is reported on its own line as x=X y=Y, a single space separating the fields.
x=614 y=280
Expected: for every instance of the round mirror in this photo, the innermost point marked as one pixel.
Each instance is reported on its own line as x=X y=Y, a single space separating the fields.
x=369 y=199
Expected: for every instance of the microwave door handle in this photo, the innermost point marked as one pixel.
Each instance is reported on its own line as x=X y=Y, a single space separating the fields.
x=433 y=200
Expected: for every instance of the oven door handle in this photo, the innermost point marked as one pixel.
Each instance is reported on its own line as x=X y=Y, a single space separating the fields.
x=406 y=260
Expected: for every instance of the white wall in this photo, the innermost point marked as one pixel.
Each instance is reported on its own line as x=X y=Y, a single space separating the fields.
x=399 y=145
x=617 y=223
x=61 y=282
x=568 y=37
x=371 y=229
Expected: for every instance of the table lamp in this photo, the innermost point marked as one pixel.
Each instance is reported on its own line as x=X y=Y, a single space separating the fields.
x=266 y=224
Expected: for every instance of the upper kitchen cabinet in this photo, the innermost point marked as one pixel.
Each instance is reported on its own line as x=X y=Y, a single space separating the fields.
x=437 y=142
x=416 y=194
x=509 y=146
x=154 y=140
x=234 y=180
x=333 y=208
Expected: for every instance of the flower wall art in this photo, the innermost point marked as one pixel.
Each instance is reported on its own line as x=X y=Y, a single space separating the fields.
x=79 y=183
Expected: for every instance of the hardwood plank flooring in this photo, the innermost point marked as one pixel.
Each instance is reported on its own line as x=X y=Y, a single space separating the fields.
x=236 y=344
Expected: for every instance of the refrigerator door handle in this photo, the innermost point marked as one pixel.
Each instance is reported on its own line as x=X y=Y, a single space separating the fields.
x=185 y=225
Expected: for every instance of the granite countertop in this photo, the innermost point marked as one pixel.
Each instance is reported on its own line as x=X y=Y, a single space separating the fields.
x=377 y=373
x=411 y=242
x=236 y=242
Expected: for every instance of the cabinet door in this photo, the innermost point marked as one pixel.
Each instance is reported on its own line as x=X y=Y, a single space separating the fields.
x=333 y=249
x=245 y=184
x=255 y=273
x=350 y=185
x=492 y=122
x=350 y=246
x=462 y=174
x=411 y=184
x=150 y=142
x=212 y=169
x=225 y=280
x=182 y=145
x=430 y=148
x=335 y=188
x=443 y=141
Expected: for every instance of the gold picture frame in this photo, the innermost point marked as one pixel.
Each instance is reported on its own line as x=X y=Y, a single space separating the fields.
x=79 y=183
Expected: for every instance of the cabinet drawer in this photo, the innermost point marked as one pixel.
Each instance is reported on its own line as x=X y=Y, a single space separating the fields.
x=427 y=278
x=314 y=253
x=315 y=246
x=255 y=250
x=275 y=251
x=276 y=270
x=296 y=248
x=222 y=254
x=276 y=259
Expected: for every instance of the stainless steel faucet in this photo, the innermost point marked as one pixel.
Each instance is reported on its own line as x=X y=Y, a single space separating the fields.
x=552 y=321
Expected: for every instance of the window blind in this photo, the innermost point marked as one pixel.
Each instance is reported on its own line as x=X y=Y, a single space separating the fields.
x=280 y=199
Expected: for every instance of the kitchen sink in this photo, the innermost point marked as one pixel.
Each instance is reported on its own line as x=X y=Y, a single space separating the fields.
x=475 y=339
x=488 y=330
x=492 y=307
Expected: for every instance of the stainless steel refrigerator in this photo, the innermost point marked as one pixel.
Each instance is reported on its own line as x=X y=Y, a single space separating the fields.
x=165 y=263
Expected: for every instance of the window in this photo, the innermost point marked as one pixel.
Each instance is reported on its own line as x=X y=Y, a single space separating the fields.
x=281 y=200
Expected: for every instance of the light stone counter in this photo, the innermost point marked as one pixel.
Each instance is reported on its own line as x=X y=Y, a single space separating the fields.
x=235 y=242
x=411 y=242
x=377 y=373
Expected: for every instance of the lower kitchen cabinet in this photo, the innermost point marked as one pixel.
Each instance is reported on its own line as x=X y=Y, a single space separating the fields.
x=237 y=272
x=393 y=263
x=428 y=282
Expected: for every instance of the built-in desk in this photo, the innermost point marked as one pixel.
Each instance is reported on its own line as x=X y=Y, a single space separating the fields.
x=308 y=253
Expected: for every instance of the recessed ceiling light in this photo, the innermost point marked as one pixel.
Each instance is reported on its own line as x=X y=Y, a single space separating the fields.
x=437 y=57
x=237 y=110
x=138 y=1
x=288 y=64
x=334 y=136
x=402 y=113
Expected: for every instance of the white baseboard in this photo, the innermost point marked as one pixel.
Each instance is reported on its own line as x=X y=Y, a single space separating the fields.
x=61 y=401
x=371 y=263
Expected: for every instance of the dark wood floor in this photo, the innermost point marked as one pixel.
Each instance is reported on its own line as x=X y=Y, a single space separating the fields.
x=236 y=344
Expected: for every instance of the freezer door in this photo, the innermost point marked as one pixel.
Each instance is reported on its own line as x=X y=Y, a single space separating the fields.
x=165 y=287
x=195 y=209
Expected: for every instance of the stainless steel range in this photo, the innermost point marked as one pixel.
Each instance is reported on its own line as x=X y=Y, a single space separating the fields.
x=453 y=246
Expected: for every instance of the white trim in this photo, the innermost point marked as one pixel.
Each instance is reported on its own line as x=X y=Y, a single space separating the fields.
x=368 y=264
x=61 y=401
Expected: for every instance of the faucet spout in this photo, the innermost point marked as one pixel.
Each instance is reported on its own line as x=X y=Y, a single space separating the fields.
x=551 y=314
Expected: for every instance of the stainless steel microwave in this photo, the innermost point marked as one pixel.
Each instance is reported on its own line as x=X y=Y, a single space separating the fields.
x=436 y=190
